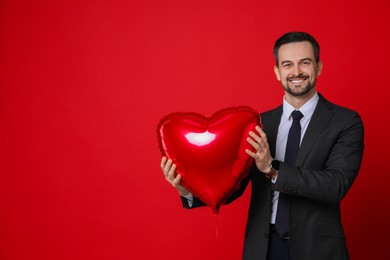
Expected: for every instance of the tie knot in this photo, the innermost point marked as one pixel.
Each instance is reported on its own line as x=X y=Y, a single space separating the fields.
x=296 y=115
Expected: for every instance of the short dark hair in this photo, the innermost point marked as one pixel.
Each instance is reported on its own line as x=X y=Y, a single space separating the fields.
x=296 y=37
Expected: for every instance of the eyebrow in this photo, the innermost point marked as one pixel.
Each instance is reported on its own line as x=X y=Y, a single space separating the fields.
x=304 y=59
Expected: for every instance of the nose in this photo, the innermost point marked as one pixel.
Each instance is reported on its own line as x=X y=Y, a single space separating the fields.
x=296 y=70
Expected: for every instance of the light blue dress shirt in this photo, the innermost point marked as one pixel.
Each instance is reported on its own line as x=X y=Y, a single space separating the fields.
x=281 y=140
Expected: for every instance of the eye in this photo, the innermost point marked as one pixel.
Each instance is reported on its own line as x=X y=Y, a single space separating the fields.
x=287 y=65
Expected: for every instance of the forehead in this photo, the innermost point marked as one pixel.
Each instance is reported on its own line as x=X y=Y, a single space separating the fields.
x=296 y=51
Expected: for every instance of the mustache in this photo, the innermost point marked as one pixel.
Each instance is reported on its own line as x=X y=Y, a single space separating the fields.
x=300 y=76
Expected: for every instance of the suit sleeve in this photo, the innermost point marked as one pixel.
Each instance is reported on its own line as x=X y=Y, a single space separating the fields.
x=330 y=168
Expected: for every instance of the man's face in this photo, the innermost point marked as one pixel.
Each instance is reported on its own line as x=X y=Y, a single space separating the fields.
x=297 y=68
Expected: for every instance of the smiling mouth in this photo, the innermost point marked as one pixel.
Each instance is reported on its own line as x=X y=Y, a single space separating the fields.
x=297 y=80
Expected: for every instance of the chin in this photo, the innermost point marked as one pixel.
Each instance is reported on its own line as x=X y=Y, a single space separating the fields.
x=298 y=91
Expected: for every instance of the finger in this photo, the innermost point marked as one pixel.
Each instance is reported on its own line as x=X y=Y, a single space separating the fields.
x=167 y=167
x=258 y=129
x=163 y=162
x=255 y=137
x=254 y=144
x=260 y=145
x=261 y=133
x=264 y=143
x=251 y=154
x=177 y=181
x=172 y=173
x=262 y=139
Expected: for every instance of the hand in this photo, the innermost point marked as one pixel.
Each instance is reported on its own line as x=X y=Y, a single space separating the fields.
x=262 y=155
x=174 y=179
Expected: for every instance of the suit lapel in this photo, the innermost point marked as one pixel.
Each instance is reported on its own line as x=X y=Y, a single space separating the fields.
x=321 y=116
x=271 y=126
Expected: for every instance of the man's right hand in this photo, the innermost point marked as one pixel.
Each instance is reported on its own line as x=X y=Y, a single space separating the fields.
x=174 y=179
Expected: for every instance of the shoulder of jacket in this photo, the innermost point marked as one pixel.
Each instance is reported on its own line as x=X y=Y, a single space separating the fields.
x=272 y=112
x=337 y=108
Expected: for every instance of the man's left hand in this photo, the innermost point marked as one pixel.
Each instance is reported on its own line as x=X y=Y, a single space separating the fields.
x=262 y=154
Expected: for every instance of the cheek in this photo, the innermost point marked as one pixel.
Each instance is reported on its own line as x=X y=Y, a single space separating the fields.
x=285 y=75
x=313 y=71
x=313 y=75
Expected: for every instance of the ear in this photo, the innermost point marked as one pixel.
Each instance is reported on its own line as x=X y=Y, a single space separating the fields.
x=319 y=68
x=277 y=73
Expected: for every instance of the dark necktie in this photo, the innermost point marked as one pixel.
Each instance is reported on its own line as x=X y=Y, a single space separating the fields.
x=292 y=148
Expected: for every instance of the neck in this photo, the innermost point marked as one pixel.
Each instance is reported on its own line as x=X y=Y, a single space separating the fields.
x=298 y=101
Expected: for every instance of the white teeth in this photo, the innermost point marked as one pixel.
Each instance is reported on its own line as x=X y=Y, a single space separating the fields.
x=297 y=81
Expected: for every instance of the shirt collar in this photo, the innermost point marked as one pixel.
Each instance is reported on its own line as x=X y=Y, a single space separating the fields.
x=307 y=109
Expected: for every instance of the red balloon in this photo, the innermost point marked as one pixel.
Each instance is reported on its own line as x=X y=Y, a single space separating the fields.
x=209 y=151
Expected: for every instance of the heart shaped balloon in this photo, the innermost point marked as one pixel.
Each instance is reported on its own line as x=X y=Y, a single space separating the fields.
x=209 y=151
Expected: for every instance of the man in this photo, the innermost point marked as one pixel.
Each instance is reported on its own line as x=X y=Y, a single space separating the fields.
x=297 y=188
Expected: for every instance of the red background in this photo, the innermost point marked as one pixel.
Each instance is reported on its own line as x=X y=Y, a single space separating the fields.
x=83 y=85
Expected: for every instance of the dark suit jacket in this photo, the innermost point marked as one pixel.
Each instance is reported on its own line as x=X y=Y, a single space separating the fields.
x=328 y=163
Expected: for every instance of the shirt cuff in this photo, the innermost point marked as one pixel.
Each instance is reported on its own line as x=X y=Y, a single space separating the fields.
x=190 y=199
